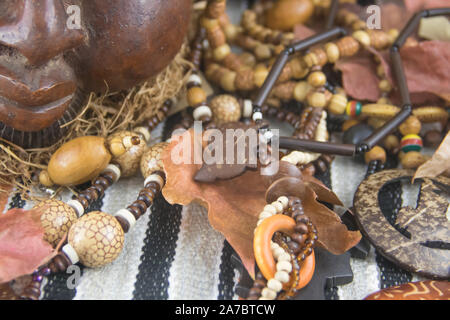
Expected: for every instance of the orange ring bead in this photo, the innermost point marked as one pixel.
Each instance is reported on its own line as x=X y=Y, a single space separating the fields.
x=263 y=255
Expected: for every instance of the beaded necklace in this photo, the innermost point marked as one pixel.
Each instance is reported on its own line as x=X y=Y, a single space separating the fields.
x=96 y=239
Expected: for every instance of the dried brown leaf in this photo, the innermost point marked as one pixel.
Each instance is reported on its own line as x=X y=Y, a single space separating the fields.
x=438 y=164
x=333 y=235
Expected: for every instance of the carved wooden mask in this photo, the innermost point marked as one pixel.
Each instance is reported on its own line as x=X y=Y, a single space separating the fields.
x=47 y=67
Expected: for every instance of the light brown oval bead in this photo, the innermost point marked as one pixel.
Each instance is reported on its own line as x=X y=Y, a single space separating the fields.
x=310 y=59
x=301 y=90
x=317 y=79
x=225 y=108
x=44 y=179
x=263 y=52
x=221 y=52
x=376 y=153
x=348 y=46
x=56 y=219
x=385 y=85
x=248 y=59
x=78 y=161
x=338 y=104
x=378 y=110
x=362 y=36
x=413 y=160
x=285 y=14
x=411 y=125
x=227 y=82
x=196 y=96
x=259 y=75
x=430 y=114
x=151 y=160
x=298 y=68
x=129 y=161
x=97 y=239
x=317 y=99
x=332 y=51
x=391 y=142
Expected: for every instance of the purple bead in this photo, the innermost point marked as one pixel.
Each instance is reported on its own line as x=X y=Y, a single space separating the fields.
x=38 y=278
x=46 y=271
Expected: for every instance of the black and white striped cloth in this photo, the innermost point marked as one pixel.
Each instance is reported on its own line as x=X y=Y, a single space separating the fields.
x=174 y=253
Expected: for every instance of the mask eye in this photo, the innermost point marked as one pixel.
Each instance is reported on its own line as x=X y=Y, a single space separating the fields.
x=10 y=11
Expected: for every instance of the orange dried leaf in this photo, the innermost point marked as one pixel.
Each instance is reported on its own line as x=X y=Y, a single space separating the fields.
x=22 y=247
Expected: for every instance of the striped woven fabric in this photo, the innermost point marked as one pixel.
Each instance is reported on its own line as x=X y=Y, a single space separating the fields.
x=173 y=252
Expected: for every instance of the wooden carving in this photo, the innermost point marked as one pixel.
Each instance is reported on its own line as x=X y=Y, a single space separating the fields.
x=47 y=64
x=424 y=247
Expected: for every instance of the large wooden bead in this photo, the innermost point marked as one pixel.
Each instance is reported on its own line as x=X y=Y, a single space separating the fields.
x=97 y=238
x=151 y=160
x=129 y=161
x=411 y=125
x=78 y=161
x=285 y=14
x=56 y=219
x=225 y=108
x=196 y=96
x=412 y=160
x=338 y=104
x=375 y=154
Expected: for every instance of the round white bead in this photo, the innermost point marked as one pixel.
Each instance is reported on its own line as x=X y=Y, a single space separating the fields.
x=247 y=109
x=278 y=206
x=277 y=252
x=202 y=111
x=282 y=276
x=194 y=78
x=77 y=206
x=274 y=285
x=284 y=266
x=284 y=201
x=114 y=169
x=154 y=178
x=274 y=245
x=128 y=216
x=257 y=116
x=268 y=293
x=284 y=257
x=71 y=253
x=270 y=208
x=265 y=214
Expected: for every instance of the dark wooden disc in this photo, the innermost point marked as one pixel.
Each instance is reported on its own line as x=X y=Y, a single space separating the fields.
x=425 y=251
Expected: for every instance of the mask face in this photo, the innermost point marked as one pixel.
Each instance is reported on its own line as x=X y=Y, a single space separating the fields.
x=53 y=52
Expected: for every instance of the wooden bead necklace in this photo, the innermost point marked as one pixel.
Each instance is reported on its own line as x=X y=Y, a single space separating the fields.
x=96 y=238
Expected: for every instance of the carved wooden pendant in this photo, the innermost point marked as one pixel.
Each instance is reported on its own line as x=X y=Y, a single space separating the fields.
x=423 y=247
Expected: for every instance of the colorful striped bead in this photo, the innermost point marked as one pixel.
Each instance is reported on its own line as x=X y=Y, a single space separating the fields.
x=353 y=108
x=411 y=142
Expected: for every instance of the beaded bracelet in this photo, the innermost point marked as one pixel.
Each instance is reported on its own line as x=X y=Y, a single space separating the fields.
x=285 y=215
